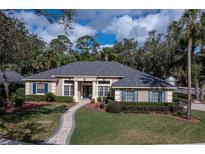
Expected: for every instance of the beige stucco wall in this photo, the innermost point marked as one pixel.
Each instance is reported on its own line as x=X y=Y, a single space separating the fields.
x=143 y=95
x=29 y=87
x=169 y=96
x=59 y=88
x=118 y=95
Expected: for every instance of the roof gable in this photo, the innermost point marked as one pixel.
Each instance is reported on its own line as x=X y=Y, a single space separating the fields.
x=12 y=76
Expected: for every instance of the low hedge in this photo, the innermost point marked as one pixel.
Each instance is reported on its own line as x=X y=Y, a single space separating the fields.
x=148 y=107
x=35 y=97
x=60 y=99
x=148 y=104
x=113 y=107
x=64 y=99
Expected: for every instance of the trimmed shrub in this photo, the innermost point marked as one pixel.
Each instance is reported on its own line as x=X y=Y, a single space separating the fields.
x=93 y=101
x=148 y=107
x=64 y=99
x=113 y=107
x=50 y=97
x=20 y=92
x=17 y=100
x=36 y=98
x=105 y=99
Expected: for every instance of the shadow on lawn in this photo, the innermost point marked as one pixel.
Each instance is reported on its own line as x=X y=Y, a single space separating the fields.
x=24 y=125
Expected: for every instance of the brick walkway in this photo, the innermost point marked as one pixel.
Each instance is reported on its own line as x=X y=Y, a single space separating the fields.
x=4 y=141
x=67 y=125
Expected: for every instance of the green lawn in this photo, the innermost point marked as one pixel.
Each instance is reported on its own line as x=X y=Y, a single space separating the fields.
x=93 y=127
x=34 y=125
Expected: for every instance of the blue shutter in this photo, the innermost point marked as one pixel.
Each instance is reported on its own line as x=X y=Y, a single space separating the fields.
x=162 y=96
x=46 y=88
x=34 y=88
x=124 y=96
x=136 y=96
x=150 y=96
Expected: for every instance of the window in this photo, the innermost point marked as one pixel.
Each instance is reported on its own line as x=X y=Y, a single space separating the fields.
x=68 y=81
x=68 y=88
x=103 y=88
x=129 y=95
x=100 y=90
x=157 y=96
x=103 y=91
x=40 y=89
x=103 y=82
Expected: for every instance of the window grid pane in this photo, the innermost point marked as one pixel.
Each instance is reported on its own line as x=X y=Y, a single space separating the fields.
x=130 y=96
x=68 y=90
x=40 y=88
x=106 y=90
x=100 y=90
x=103 y=91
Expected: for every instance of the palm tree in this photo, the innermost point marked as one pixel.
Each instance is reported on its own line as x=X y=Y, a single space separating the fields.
x=187 y=28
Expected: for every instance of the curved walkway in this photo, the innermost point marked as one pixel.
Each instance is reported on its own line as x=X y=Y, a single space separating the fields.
x=67 y=124
x=4 y=141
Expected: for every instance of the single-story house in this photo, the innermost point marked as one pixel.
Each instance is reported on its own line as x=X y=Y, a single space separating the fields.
x=12 y=77
x=93 y=79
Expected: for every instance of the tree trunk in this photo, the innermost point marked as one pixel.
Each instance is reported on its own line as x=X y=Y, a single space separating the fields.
x=202 y=92
x=6 y=90
x=197 y=92
x=189 y=77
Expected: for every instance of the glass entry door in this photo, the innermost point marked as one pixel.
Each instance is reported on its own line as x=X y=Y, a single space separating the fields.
x=87 y=91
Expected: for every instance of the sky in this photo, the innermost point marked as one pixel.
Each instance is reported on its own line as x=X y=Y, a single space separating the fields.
x=108 y=26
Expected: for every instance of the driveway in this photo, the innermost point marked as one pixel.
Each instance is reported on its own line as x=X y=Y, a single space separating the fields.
x=200 y=107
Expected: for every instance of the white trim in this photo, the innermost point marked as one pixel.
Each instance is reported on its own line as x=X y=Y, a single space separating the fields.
x=103 y=85
x=27 y=89
x=170 y=88
x=37 y=88
x=86 y=76
x=39 y=80
x=63 y=84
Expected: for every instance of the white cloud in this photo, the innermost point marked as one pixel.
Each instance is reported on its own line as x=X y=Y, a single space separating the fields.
x=99 y=19
x=47 y=31
x=122 y=23
x=127 y=27
x=106 y=46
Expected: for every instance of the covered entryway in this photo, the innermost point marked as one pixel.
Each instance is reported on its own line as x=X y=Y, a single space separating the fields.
x=87 y=91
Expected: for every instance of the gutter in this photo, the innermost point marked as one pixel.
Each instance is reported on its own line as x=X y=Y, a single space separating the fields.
x=171 y=88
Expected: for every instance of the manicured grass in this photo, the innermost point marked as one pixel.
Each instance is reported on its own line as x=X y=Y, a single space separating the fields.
x=33 y=126
x=93 y=127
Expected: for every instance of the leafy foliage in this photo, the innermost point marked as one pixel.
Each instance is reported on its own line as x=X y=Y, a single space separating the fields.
x=50 y=97
x=113 y=107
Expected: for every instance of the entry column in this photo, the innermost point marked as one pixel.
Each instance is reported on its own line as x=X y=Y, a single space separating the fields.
x=76 y=91
x=94 y=90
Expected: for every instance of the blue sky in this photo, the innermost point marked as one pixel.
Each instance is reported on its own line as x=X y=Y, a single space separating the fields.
x=108 y=26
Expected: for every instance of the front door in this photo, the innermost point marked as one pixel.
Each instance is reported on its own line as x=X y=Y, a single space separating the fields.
x=87 y=91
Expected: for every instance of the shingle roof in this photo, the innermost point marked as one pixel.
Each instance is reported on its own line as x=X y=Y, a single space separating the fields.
x=12 y=76
x=130 y=77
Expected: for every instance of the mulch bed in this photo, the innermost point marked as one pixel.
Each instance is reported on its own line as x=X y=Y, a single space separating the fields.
x=28 y=106
x=183 y=118
x=95 y=106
